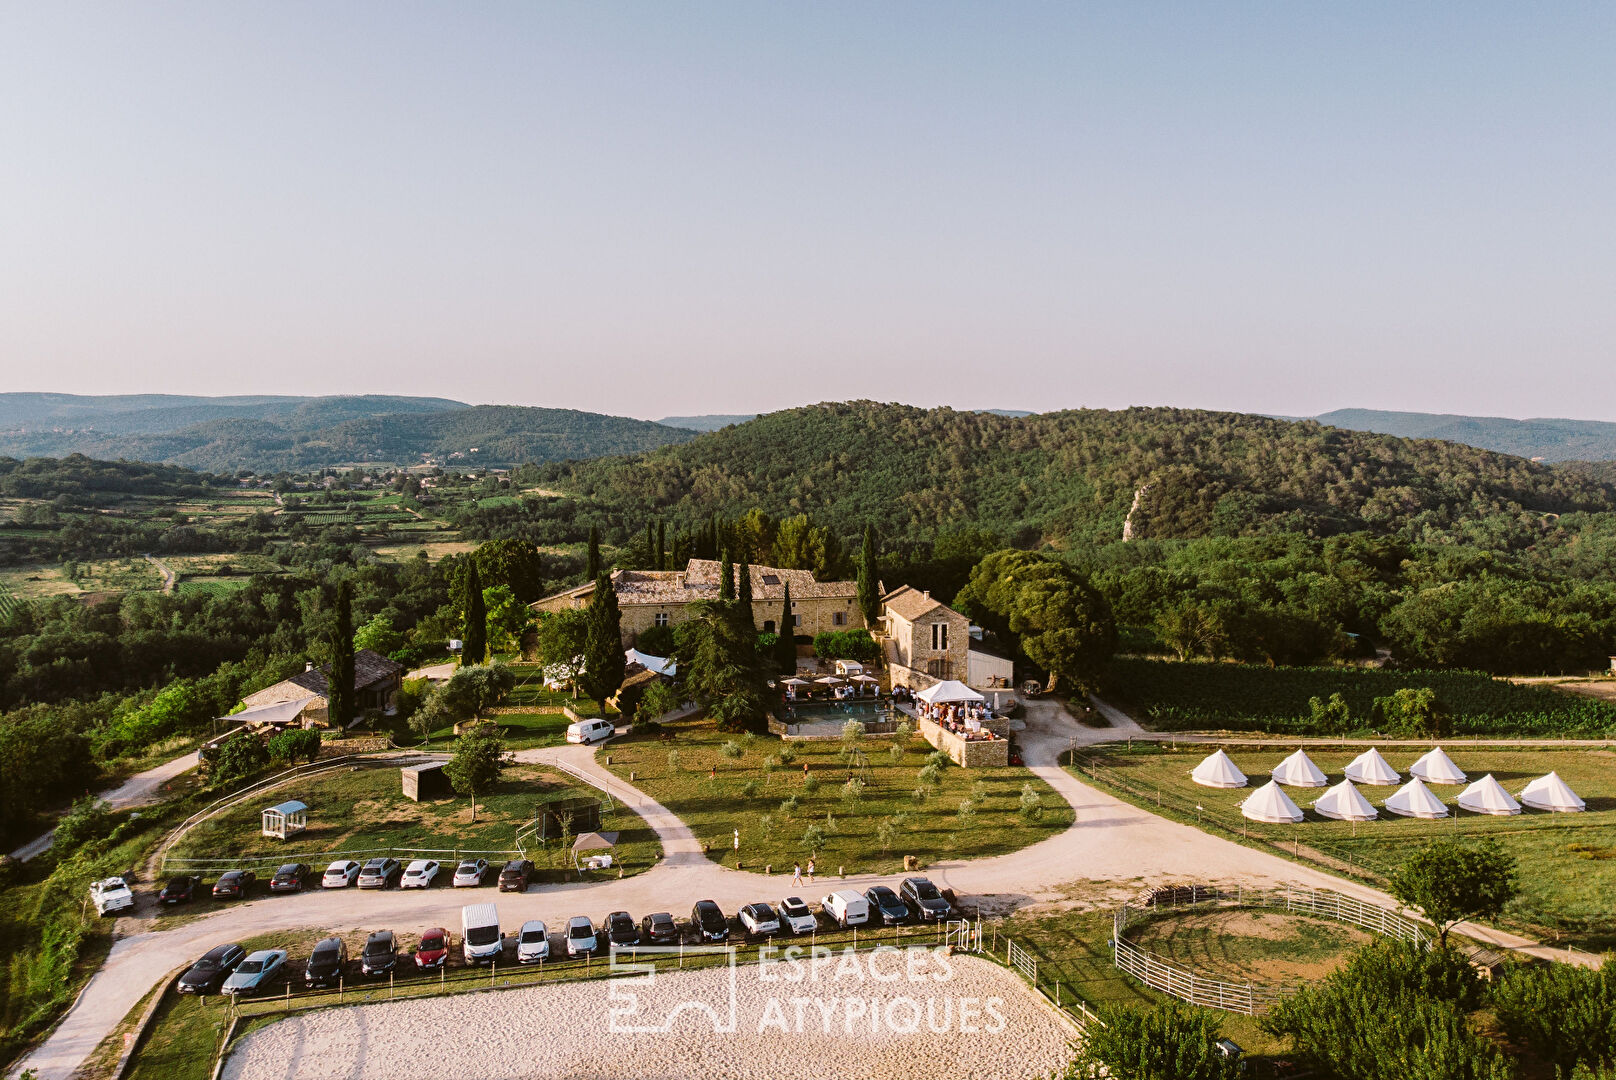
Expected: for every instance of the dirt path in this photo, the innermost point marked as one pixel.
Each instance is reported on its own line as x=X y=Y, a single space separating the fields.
x=140 y=789
x=163 y=568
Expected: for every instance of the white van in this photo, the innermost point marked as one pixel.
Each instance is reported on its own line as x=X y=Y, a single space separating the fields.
x=590 y=731
x=479 y=933
x=847 y=907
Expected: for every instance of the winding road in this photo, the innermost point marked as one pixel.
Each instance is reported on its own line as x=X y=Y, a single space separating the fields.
x=1109 y=841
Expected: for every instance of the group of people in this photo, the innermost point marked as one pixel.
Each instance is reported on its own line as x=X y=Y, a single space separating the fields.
x=963 y=718
x=839 y=693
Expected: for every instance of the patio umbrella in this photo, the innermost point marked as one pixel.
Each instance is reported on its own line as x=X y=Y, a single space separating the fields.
x=865 y=678
x=794 y=681
x=828 y=680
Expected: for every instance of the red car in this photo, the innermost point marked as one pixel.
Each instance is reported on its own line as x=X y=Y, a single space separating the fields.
x=433 y=951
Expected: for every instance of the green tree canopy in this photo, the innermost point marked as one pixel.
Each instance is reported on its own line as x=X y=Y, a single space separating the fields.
x=869 y=591
x=720 y=666
x=476 y=764
x=474 y=628
x=340 y=680
x=604 y=663
x=514 y=563
x=1167 y=1042
x=1449 y=881
x=1062 y=623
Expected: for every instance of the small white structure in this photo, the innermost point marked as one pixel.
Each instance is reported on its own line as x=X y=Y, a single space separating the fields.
x=1415 y=800
x=948 y=692
x=661 y=665
x=1298 y=770
x=1552 y=793
x=849 y=667
x=284 y=820
x=1487 y=796
x=1344 y=803
x=1437 y=768
x=1218 y=771
x=1270 y=804
x=1372 y=769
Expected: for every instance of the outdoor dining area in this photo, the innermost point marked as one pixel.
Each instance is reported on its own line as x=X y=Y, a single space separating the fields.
x=832 y=687
x=956 y=720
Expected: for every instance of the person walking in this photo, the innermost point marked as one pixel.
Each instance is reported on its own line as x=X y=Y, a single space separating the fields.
x=796 y=874
x=810 y=871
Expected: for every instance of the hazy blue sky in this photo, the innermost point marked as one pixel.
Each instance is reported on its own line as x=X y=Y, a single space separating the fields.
x=673 y=208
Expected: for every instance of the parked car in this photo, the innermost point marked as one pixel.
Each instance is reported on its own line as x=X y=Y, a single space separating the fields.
x=923 y=899
x=290 y=878
x=760 y=920
x=432 y=951
x=590 y=731
x=513 y=877
x=209 y=973
x=480 y=936
x=532 y=942
x=470 y=872
x=619 y=930
x=659 y=929
x=581 y=939
x=234 y=884
x=846 y=908
x=255 y=972
x=710 y=922
x=340 y=874
x=380 y=954
x=419 y=874
x=379 y=873
x=326 y=962
x=180 y=890
x=111 y=895
x=885 y=907
x=796 y=916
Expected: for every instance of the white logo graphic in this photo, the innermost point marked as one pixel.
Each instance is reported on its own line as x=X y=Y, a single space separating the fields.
x=625 y=1017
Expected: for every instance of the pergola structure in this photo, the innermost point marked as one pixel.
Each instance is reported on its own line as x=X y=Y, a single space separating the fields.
x=284 y=820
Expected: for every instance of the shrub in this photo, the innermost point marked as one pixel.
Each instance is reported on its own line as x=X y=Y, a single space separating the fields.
x=810 y=784
x=90 y=819
x=790 y=806
x=751 y=788
x=1168 y=1042
x=852 y=792
x=895 y=752
x=886 y=833
x=771 y=763
x=788 y=756
x=237 y=758
x=1030 y=806
x=294 y=744
x=930 y=774
x=939 y=758
x=919 y=796
x=966 y=814
x=673 y=761
x=845 y=645
x=1565 y=1014
x=731 y=749
x=659 y=699
x=813 y=838
x=905 y=731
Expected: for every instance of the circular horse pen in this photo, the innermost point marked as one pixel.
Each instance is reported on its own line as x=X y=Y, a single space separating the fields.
x=1252 y=998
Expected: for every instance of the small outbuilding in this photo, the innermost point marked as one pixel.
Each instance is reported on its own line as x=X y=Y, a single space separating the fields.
x=424 y=781
x=285 y=820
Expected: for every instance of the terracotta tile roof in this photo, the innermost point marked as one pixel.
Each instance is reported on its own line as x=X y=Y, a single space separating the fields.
x=704 y=572
x=909 y=604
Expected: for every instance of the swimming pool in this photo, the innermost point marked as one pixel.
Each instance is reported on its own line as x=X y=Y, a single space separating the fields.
x=809 y=712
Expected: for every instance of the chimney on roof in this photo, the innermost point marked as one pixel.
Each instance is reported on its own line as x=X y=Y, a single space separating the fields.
x=926 y=593
x=308 y=665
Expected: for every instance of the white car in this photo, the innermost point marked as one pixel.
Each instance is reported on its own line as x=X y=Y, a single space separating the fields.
x=760 y=920
x=796 y=917
x=255 y=971
x=111 y=895
x=470 y=872
x=532 y=942
x=419 y=874
x=581 y=937
x=340 y=874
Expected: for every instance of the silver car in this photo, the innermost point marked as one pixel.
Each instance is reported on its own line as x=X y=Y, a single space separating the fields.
x=581 y=940
x=255 y=971
x=470 y=872
x=532 y=942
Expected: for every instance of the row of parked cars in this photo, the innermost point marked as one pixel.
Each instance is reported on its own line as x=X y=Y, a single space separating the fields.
x=229 y=969
x=295 y=877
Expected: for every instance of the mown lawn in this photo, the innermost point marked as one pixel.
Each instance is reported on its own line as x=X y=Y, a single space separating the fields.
x=1567 y=862
x=716 y=794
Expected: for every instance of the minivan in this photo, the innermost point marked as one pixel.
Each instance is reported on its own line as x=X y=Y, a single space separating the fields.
x=847 y=907
x=590 y=731
x=479 y=932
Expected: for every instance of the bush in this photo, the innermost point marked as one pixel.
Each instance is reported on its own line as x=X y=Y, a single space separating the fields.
x=845 y=645
x=810 y=784
x=1168 y=1042
x=852 y=792
x=790 y=806
x=1565 y=1014
x=895 y=752
x=237 y=758
x=297 y=743
x=751 y=789
x=90 y=819
x=655 y=640
x=813 y=838
x=1030 y=806
x=659 y=699
x=930 y=774
x=731 y=749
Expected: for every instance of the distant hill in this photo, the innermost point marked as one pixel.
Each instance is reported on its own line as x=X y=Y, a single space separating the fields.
x=1072 y=477
x=270 y=434
x=707 y=421
x=1545 y=438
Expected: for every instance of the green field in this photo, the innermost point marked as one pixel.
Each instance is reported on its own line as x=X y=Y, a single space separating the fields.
x=1177 y=696
x=1567 y=861
x=709 y=791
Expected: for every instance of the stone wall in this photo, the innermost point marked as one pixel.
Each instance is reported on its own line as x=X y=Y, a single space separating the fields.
x=966 y=753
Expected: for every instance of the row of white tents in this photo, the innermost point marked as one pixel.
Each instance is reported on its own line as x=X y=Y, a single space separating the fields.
x=1344 y=802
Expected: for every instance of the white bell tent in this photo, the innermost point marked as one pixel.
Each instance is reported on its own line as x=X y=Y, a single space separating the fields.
x=1487 y=796
x=1270 y=804
x=1344 y=803
x=1437 y=768
x=1552 y=793
x=1372 y=769
x=1415 y=800
x=1218 y=771
x=1298 y=770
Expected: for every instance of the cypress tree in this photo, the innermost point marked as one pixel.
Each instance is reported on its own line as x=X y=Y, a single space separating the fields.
x=869 y=598
x=592 y=570
x=662 y=545
x=785 y=648
x=474 y=637
x=604 y=662
x=743 y=585
x=726 y=577
x=340 y=683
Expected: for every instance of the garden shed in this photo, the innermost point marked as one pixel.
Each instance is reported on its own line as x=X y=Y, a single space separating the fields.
x=424 y=781
x=286 y=819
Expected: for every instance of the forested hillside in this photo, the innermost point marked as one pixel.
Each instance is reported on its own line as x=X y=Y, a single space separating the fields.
x=1549 y=438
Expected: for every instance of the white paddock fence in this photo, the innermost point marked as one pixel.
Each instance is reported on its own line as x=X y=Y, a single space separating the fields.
x=1189 y=985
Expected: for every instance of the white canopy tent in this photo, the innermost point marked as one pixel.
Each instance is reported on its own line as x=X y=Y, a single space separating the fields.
x=1415 y=800
x=1372 y=769
x=1552 y=793
x=1437 y=768
x=1344 y=803
x=1271 y=805
x=1218 y=771
x=659 y=664
x=1298 y=770
x=1487 y=796
x=948 y=692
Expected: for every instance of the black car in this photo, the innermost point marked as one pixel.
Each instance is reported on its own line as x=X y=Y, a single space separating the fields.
x=180 y=890
x=380 y=955
x=923 y=899
x=885 y=905
x=290 y=878
x=515 y=874
x=234 y=884
x=710 y=922
x=209 y=973
x=659 y=929
x=325 y=964
x=618 y=928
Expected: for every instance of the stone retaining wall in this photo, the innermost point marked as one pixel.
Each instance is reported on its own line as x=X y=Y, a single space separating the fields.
x=967 y=753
